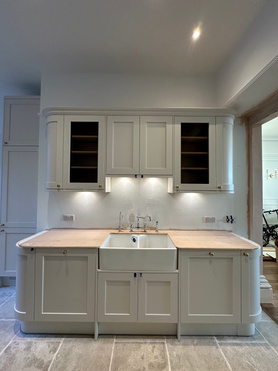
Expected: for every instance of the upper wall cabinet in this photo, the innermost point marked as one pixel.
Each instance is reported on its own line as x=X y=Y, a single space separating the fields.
x=139 y=145
x=21 y=121
x=75 y=152
x=203 y=154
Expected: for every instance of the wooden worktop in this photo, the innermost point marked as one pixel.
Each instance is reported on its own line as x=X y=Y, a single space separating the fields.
x=93 y=238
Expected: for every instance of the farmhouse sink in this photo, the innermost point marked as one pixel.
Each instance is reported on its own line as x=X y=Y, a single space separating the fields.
x=138 y=252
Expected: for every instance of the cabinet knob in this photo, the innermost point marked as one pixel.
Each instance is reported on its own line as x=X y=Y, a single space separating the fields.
x=58 y=185
x=245 y=254
x=65 y=252
x=5 y=142
x=2 y=230
x=100 y=186
x=2 y=225
x=219 y=187
x=211 y=253
x=177 y=187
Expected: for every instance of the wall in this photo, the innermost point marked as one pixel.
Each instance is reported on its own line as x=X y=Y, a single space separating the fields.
x=137 y=196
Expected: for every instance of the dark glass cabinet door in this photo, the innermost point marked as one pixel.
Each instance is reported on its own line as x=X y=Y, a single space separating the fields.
x=194 y=153
x=84 y=152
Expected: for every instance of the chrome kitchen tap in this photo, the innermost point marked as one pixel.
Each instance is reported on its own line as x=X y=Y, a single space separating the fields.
x=145 y=224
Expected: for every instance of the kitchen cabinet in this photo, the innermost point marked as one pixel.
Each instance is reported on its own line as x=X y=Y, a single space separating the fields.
x=75 y=152
x=137 y=297
x=19 y=177
x=139 y=145
x=65 y=285
x=210 y=286
x=203 y=154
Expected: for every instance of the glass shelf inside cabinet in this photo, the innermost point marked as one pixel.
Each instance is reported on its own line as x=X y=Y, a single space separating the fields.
x=194 y=153
x=84 y=152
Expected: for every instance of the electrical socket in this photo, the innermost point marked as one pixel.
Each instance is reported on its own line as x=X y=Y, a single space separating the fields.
x=69 y=217
x=209 y=219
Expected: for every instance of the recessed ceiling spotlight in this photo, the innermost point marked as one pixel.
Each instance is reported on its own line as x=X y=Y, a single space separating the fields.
x=196 y=33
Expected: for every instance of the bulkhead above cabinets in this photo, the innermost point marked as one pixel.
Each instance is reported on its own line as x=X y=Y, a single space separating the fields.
x=192 y=148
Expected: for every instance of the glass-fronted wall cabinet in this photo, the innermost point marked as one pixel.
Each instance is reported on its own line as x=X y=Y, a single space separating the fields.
x=76 y=152
x=203 y=154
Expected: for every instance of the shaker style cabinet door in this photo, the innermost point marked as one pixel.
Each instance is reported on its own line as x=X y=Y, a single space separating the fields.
x=21 y=121
x=210 y=283
x=156 y=145
x=122 y=145
x=65 y=285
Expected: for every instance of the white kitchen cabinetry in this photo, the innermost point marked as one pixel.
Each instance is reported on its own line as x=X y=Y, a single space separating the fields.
x=210 y=286
x=75 y=152
x=137 y=297
x=203 y=154
x=19 y=177
x=139 y=145
x=65 y=285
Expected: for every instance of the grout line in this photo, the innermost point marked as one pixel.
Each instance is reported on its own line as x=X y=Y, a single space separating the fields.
x=222 y=353
x=167 y=353
x=3 y=350
x=55 y=355
x=112 y=354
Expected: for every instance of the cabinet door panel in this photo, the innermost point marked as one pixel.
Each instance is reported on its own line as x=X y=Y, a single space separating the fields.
x=210 y=287
x=65 y=286
x=156 y=145
x=19 y=190
x=158 y=298
x=21 y=121
x=117 y=297
x=123 y=145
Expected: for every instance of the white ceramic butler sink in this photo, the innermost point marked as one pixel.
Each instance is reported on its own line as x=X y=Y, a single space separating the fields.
x=138 y=252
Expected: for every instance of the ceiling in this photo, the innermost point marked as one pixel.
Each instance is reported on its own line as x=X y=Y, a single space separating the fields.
x=118 y=36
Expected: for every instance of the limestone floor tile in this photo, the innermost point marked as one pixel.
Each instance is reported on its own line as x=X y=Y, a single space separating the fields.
x=5 y=293
x=250 y=357
x=265 y=317
x=83 y=354
x=28 y=356
x=139 y=339
x=7 y=308
x=270 y=331
x=139 y=357
x=196 y=354
x=8 y=329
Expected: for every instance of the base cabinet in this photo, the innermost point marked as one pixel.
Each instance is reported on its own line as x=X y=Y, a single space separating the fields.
x=137 y=297
x=64 y=287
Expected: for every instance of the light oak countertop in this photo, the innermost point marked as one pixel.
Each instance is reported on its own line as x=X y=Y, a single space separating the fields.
x=182 y=239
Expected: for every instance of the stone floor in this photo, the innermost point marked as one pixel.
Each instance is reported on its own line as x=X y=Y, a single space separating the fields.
x=22 y=352
x=270 y=270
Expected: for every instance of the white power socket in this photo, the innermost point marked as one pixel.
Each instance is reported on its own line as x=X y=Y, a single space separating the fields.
x=209 y=219
x=69 y=217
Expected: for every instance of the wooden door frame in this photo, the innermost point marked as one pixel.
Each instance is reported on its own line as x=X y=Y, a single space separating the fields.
x=253 y=119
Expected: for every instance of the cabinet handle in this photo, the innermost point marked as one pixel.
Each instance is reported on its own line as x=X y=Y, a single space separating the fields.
x=65 y=252
x=177 y=187
x=5 y=142
x=2 y=225
x=140 y=274
x=100 y=186
x=2 y=230
x=58 y=185
x=135 y=275
x=219 y=187
x=211 y=254
x=245 y=254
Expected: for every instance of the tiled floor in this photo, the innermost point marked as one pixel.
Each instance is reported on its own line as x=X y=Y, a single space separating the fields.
x=21 y=352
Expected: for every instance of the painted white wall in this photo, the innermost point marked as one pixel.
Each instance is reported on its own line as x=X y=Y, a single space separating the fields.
x=256 y=52
x=126 y=91
x=137 y=196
